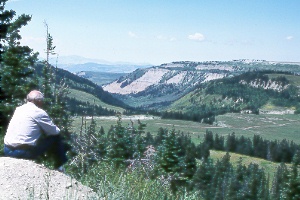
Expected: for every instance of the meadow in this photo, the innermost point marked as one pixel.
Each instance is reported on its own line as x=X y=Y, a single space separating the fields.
x=269 y=126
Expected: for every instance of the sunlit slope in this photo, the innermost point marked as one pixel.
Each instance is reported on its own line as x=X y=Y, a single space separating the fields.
x=251 y=92
x=93 y=100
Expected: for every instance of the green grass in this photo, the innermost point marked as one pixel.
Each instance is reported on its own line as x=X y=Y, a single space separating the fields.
x=86 y=97
x=268 y=166
x=112 y=183
x=196 y=130
x=271 y=127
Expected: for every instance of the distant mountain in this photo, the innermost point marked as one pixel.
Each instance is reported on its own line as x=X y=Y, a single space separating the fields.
x=158 y=86
x=100 y=78
x=94 y=67
x=72 y=60
x=77 y=64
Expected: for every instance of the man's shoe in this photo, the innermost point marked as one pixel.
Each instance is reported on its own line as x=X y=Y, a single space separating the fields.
x=61 y=169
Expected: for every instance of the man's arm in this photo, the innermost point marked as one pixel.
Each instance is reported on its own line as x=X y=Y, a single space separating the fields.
x=47 y=125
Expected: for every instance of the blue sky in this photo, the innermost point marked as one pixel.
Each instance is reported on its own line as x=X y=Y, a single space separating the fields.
x=162 y=31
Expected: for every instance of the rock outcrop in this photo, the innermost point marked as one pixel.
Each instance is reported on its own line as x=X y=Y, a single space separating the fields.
x=25 y=179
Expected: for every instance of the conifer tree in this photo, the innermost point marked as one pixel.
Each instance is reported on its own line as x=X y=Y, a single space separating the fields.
x=231 y=142
x=16 y=64
x=221 y=178
x=293 y=185
x=219 y=143
x=202 y=180
x=236 y=189
x=202 y=151
x=120 y=144
x=161 y=135
x=55 y=94
x=168 y=155
x=149 y=139
x=279 y=182
x=100 y=144
x=101 y=131
x=256 y=183
x=209 y=139
x=139 y=142
x=232 y=192
x=189 y=165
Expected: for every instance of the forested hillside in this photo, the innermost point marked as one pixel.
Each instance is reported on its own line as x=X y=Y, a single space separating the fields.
x=74 y=82
x=248 y=92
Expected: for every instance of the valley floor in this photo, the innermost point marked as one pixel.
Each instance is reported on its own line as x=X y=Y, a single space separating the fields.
x=269 y=126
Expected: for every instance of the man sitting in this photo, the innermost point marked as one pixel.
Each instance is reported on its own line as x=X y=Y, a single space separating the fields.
x=31 y=133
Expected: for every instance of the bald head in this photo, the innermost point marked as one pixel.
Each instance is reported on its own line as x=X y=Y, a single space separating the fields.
x=35 y=97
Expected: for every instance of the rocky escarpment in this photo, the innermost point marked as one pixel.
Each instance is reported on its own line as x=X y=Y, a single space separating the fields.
x=158 y=86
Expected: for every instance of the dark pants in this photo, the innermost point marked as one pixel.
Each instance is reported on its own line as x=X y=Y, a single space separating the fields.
x=52 y=145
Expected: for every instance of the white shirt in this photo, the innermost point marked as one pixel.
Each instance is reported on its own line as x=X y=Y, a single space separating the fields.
x=27 y=125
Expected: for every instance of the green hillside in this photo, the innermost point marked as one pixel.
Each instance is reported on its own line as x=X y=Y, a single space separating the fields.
x=85 y=97
x=252 y=92
x=91 y=99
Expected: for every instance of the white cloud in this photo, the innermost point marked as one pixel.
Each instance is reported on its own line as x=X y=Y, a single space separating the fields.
x=197 y=37
x=289 y=37
x=132 y=34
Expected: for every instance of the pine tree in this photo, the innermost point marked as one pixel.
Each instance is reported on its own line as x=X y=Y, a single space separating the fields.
x=293 y=185
x=219 y=143
x=256 y=183
x=47 y=72
x=189 y=165
x=168 y=156
x=232 y=192
x=236 y=189
x=221 y=178
x=202 y=151
x=202 y=180
x=120 y=144
x=149 y=139
x=161 y=135
x=209 y=139
x=100 y=143
x=16 y=69
x=279 y=182
x=139 y=140
x=55 y=94
x=231 y=142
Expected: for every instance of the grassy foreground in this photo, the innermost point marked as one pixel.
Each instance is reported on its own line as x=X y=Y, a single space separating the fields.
x=111 y=183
